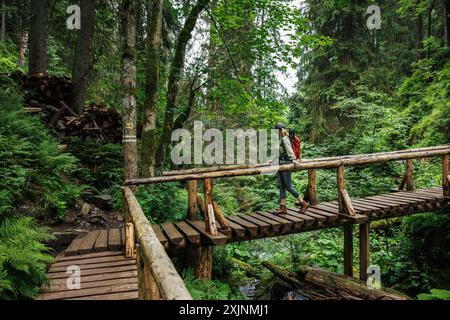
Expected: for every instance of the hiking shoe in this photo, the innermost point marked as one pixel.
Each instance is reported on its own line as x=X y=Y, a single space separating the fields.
x=304 y=207
x=282 y=210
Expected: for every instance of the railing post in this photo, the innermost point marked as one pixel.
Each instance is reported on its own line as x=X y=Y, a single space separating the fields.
x=445 y=176
x=130 y=249
x=409 y=175
x=364 y=250
x=345 y=204
x=348 y=249
x=192 y=200
x=130 y=243
x=312 y=187
x=210 y=221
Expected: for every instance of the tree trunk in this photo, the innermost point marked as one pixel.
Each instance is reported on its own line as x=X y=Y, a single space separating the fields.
x=419 y=33
x=3 y=31
x=174 y=77
x=82 y=56
x=128 y=11
x=151 y=90
x=38 y=37
x=446 y=4
x=22 y=48
x=338 y=285
x=22 y=34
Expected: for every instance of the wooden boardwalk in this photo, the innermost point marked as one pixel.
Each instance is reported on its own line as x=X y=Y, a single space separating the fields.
x=107 y=274
x=103 y=276
x=97 y=241
x=264 y=224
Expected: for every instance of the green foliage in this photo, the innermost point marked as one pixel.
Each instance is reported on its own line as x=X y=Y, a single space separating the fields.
x=425 y=97
x=435 y=294
x=23 y=258
x=31 y=165
x=209 y=289
x=412 y=259
x=33 y=170
x=162 y=202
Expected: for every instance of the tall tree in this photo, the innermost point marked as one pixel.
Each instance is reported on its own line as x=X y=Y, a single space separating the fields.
x=174 y=77
x=38 y=37
x=3 y=31
x=82 y=55
x=128 y=35
x=419 y=30
x=22 y=34
x=151 y=89
x=446 y=10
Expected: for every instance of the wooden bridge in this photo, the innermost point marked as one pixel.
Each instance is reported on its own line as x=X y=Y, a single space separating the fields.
x=143 y=269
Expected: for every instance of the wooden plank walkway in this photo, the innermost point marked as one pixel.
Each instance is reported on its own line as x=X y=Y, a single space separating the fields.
x=264 y=224
x=103 y=276
x=97 y=241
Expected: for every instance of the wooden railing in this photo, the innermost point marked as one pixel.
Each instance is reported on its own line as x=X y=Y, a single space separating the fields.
x=157 y=276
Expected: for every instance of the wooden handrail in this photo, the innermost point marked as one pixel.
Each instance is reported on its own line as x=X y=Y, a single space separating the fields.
x=153 y=256
x=303 y=165
x=250 y=166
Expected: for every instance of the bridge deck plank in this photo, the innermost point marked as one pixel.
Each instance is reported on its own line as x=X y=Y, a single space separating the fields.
x=238 y=231
x=252 y=228
x=219 y=240
x=160 y=235
x=101 y=244
x=174 y=236
x=190 y=233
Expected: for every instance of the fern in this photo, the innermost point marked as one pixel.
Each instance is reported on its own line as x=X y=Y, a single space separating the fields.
x=23 y=258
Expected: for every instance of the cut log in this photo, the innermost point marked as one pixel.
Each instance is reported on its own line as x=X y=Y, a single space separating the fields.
x=224 y=225
x=201 y=206
x=211 y=222
x=338 y=285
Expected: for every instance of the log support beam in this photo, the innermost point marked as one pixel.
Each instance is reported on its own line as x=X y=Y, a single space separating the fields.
x=445 y=176
x=192 y=200
x=364 y=250
x=409 y=175
x=200 y=259
x=311 y=191
x=348 y=249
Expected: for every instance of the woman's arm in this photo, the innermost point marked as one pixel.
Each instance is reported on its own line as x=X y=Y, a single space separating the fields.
x=288 y=148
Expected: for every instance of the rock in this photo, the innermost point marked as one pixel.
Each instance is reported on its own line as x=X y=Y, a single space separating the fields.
x=85 y=209
x=97 y=219
x=104 y=202
x=64 y=238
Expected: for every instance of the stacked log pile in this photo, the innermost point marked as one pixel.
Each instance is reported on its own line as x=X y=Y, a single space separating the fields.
x=48 y=95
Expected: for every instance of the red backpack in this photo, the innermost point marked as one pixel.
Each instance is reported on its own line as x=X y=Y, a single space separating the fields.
x=296 y=144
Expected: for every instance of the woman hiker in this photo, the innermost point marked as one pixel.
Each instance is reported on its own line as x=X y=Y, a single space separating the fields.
x=284 y=177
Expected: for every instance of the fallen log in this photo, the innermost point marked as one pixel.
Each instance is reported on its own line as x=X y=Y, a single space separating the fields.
x=338 y=285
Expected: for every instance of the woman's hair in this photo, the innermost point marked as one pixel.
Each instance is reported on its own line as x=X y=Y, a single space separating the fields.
x=284 y=132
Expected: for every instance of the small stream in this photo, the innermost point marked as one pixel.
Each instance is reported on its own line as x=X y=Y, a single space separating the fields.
x=248 y=290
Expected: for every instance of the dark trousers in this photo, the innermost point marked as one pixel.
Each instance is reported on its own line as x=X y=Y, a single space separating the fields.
x=285 y=184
